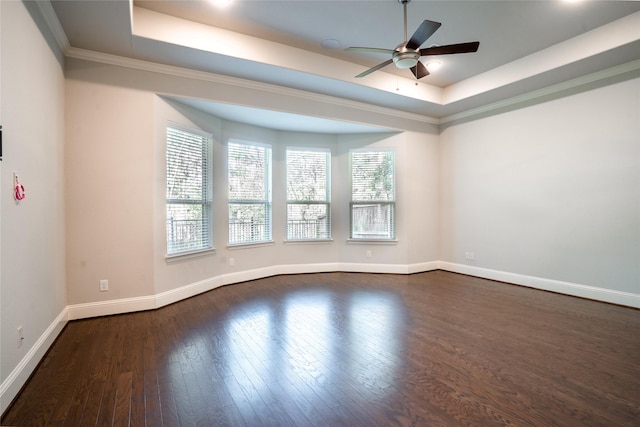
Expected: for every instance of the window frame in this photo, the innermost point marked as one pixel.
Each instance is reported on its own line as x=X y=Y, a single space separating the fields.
x=267 y=202
x=206 y=202
x=325 y=202
x=390 y=203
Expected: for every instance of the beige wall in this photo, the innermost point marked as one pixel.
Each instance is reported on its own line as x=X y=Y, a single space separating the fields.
x=515 y=189
x=32 y=279
x=116 y=157
x=109 y=182
x=550 y=191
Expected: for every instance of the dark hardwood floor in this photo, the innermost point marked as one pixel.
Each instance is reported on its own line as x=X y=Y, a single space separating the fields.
x=346 y=349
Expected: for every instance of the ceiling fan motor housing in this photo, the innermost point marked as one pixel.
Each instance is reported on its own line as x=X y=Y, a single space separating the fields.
x=404 y=57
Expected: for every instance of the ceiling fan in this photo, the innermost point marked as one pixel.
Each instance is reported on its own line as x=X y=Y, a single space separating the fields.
x=408 y=53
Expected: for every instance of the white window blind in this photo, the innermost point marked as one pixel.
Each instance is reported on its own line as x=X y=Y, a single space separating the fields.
x=308 y=184
x=189 y=160
x=372 y=194
x=249 y=167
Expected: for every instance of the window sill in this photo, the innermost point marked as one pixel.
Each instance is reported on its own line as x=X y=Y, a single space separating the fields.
x=189 y=255
x=247 y=245
x=308 y=241
x=373 y=241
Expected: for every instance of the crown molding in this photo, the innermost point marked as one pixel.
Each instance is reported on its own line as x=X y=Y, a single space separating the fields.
x=52 y=21
x=630 y=69
x=61 y=39
x=172 y=70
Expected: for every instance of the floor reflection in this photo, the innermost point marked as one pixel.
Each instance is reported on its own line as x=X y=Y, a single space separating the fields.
x=303 y=343
x=373 y=330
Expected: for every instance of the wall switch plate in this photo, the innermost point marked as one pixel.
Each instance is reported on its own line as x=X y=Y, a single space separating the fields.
x=104 y=285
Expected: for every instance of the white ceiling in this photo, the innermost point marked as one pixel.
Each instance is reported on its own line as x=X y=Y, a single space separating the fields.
x=525 y=47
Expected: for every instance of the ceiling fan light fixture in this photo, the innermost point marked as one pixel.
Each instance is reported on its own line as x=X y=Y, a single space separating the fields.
x=405 y=60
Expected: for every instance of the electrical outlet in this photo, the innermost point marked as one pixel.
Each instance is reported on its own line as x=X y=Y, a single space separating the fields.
x=19 y=336
x=470 y=256
x=232 y=262
x=104 y=285
x=368 y=254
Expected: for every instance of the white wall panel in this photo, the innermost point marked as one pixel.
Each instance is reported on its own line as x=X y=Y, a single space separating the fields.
x=551 y=191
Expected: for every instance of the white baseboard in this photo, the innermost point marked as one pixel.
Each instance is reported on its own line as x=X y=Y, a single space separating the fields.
x=83 y=311
x=12 y=385
x=567 y=288
x=107 y=308
x=128 y=305
x=422 y=267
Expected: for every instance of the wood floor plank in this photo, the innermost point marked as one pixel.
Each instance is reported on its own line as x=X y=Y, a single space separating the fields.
x=77 y=404
x=88 y=347
x=242 y=402
x=151 y=404
x=168 y=407
x=152 y=399
x=93 y=405
x=67 y=382
x=346 y=349
x=122 y=407
x=181 y=385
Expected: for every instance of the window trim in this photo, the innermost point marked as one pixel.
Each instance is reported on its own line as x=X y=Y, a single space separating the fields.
x=326 y=202
x=268 y=202
x=207 y=203
x=392 y=203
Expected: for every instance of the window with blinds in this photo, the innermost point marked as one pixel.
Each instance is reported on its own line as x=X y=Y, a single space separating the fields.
x=372 y=207
x=308 y=184
x=249 y=168
x=189 y=161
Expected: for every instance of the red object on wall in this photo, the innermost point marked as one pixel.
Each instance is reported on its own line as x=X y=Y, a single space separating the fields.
x=18 y=192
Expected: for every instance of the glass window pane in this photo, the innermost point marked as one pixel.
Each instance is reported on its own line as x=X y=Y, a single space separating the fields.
x=372 y=175
x=187 y=227
x=249 y=222
x=186 y=165
x=249 y=173
x=306 y=222
x=372 y=221
x=188 y=191
x=308 y=183
x=307 y=175
x=372 y=195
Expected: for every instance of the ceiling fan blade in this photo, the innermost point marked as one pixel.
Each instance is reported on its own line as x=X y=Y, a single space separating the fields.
x=424 y=31
x=419 y=70
x=450 y=49
x=371 y=49
x=376 y=68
